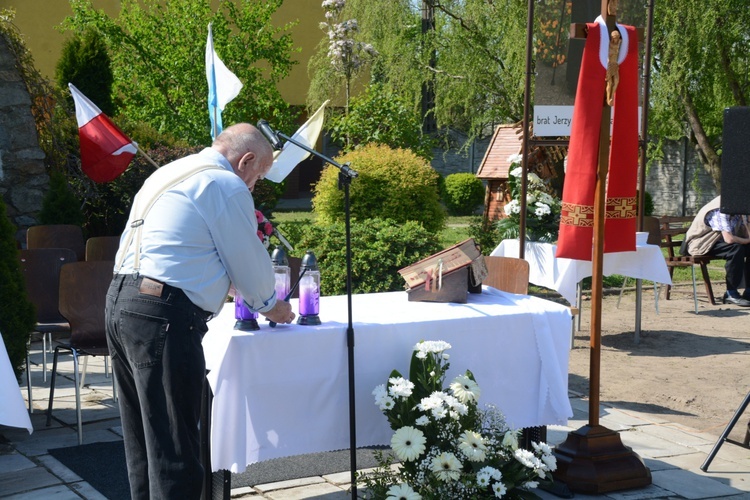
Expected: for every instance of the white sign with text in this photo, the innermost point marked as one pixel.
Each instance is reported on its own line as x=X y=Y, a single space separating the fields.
x=555 y=121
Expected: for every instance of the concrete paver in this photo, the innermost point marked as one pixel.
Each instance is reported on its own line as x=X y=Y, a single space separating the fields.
x=673 y=453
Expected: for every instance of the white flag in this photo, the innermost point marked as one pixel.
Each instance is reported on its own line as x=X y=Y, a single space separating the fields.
x=291 y=154
x=223 y=85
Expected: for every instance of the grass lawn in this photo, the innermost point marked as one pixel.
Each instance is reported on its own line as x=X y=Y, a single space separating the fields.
x=457 y=230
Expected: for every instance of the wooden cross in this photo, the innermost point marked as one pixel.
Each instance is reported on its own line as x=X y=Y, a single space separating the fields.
x=593 y=459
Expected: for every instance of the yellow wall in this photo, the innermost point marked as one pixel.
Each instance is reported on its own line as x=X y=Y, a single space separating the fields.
x=37 y=19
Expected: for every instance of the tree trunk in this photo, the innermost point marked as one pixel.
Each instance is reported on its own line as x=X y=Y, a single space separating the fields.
x=711 y=161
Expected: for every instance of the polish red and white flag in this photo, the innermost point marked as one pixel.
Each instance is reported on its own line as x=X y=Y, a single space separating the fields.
x=106 y=151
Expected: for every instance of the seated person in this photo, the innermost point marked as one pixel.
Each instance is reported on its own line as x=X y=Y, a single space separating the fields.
x=724 y=236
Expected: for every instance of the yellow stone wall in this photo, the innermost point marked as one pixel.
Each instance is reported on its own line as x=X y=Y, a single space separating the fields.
x=37 y=20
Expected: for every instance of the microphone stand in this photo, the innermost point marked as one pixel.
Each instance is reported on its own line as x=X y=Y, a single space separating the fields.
x=346 y=174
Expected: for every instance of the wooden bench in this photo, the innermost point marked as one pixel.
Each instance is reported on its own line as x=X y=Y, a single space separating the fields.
x=670 y=227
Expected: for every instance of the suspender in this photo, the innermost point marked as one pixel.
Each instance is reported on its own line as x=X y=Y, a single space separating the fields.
x=160 y=181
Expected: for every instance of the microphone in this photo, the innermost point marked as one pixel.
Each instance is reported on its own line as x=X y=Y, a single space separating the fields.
x=269 y=134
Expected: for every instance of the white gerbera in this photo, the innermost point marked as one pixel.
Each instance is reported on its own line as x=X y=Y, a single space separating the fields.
x=408 y=443
x=402 y=492
x=499 y=489
x=472 y=446
x=446 y=467
x=465 y=389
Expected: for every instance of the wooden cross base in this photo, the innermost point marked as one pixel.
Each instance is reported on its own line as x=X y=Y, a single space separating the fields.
x=593 y=460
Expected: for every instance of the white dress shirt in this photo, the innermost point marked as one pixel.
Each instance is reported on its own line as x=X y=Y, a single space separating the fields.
x=200 y=236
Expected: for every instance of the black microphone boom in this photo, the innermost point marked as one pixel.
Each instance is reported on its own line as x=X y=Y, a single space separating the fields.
x=269 y=134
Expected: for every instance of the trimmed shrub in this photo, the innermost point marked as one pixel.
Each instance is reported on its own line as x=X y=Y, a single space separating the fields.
x=392 y=184
x=60 y=205
x=85 y=63
x=463 y=193
x=379 y=249
x=17 y=315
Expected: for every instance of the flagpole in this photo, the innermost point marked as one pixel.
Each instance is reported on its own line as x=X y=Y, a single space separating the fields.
x=150 y=160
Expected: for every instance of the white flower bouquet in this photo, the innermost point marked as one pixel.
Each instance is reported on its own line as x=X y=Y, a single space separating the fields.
x=542 y=207
x=448 y=447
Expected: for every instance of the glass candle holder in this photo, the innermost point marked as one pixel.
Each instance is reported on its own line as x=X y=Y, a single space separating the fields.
x=309 y=291
x=247 y=320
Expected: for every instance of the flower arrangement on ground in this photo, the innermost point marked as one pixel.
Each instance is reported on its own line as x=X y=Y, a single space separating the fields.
x=542 y=207
x=449 y=447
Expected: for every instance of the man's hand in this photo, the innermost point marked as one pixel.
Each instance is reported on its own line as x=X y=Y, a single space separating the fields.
x=281 y=312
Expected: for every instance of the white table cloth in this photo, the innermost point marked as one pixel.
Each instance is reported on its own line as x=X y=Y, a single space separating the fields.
x=563 y=275
x=13 y=409
x=284 y=391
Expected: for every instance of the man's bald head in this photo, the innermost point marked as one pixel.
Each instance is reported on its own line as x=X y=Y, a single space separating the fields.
x=239 y=139
x=247 y=150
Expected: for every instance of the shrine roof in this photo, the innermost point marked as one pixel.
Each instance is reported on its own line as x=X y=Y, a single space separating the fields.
x=506 y=141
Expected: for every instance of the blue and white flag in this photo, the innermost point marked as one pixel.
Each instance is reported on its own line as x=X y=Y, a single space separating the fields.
x=223 y=85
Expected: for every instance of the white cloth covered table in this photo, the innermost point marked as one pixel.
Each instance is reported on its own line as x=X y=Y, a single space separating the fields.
x=563 y=275
x=284 y=391
x=13 y=409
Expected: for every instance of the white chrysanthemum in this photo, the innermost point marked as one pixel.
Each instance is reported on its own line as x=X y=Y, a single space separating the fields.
x=550 y=461
x=493 y=472
x=514 y=207
x=465 y=389
x=446 y=356
x=543 y=448
x=510 y=440
x=516 y=158
x=422 y=421
x=516 y=172
x=526 y=458
x=499 y=489
x=408 y=443
x=446 y=467
x=379 y=392
x=531 y=484
x=400 y=387
x=530 y=200
x=483 y=479
x=402 y=492
x=533 y=178
x=387 y=403
x=472 y=446
x=439 y=413
x=430 y=402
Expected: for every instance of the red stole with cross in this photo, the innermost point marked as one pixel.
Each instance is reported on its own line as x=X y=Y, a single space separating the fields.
x=576 y=235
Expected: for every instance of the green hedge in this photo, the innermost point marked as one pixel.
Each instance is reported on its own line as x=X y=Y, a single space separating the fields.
x=463 y=193
x=392 y=184
x=379 y=249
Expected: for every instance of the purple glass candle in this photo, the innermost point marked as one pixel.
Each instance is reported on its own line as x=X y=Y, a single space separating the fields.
x=309 y=297
x=241 y=311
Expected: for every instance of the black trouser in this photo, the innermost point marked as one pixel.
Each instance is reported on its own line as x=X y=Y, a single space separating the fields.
x=737 y=265
x=155 y=343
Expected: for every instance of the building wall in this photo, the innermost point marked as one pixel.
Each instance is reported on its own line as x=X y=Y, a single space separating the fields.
x=23 y=179
x=37 y=21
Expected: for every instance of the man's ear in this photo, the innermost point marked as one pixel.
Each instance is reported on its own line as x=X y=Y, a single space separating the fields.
x=246 y=160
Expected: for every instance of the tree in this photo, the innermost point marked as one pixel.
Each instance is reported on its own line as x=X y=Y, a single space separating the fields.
x=85 y=63
x=17 y=316
x=157 y=50
x=701 y=66
x=474 y=59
